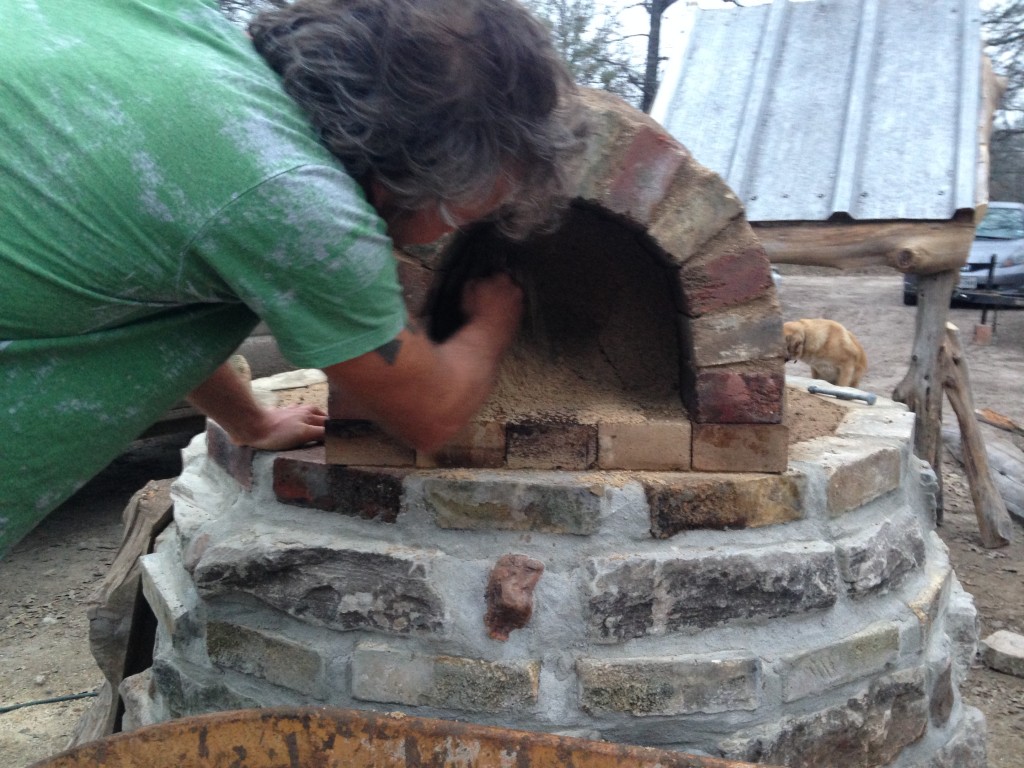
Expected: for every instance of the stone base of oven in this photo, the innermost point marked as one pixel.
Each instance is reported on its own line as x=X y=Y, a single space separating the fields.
x=838 y=637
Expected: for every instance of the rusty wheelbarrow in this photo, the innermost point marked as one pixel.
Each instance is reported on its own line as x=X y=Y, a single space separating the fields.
x=343 y=738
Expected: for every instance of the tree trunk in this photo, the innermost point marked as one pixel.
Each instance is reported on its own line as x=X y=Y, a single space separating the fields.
x=655 y=8
x=921 y=388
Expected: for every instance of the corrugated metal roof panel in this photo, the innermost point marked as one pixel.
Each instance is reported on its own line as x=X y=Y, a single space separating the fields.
x=810 y=109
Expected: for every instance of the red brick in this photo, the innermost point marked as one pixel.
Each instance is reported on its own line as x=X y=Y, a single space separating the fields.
x=982 y=335
x=509 y=594
x=738 y=334
x=724 y=277
x=480 y=445
x=740 y=447
x=662 y=446
x=304 y=478
x=354 y=442
x=236 y=460
x=645 y=171
x=735 y=394
x=697 y=207
x=551 y=446
x=730 y=269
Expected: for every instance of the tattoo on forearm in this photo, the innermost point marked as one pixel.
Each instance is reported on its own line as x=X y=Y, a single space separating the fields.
x=389 y=351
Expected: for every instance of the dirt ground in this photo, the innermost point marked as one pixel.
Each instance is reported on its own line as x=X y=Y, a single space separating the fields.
x=44 y=649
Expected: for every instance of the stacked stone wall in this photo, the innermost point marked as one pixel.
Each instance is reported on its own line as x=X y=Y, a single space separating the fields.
x=806 y=618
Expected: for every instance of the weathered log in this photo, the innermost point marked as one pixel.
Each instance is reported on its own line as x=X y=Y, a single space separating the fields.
x=918 y=247
x=993 y=519
x=998 y=420
x=114 y=621
x=1007 y=464
x=921 y=387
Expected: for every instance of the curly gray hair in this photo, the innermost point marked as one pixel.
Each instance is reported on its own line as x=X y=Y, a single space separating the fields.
x=433 y=99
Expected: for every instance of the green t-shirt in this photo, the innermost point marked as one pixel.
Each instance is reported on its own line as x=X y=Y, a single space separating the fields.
x=159 y=193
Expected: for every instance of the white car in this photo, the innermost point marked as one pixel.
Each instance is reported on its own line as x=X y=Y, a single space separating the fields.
x=998 y=248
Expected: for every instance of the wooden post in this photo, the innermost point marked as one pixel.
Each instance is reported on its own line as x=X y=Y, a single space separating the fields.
x=921 y=387
x=121 y=626
x=993 y=518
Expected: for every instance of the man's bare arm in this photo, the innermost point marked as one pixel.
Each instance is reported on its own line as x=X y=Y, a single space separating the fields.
x=227 y=399
x=423 y=392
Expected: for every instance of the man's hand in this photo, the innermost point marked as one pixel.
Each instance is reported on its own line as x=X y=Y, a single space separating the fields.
x=282 y=428
x=227 y=399
x=496 y=303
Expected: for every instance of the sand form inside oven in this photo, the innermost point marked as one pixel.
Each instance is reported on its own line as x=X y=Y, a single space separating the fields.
x=552 y=393
x=590 y=392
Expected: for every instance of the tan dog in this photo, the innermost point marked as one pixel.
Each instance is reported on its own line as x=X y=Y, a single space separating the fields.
x=833 y=353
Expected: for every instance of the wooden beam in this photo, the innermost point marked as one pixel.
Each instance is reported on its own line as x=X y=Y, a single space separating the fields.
x=995 y=419
x=993 y=518
x=918 y=247
x=1007 y=464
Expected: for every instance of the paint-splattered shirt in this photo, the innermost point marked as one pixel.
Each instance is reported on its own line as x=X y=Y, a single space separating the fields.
x=159 y=193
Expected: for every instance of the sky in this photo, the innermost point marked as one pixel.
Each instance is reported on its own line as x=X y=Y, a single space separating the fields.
x=675 y=22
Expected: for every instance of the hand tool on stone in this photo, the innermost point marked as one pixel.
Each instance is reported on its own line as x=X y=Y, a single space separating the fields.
x=843 y=393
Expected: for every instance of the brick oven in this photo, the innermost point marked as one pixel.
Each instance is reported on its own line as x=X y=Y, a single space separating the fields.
x=652 y=337
x=649 y=535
